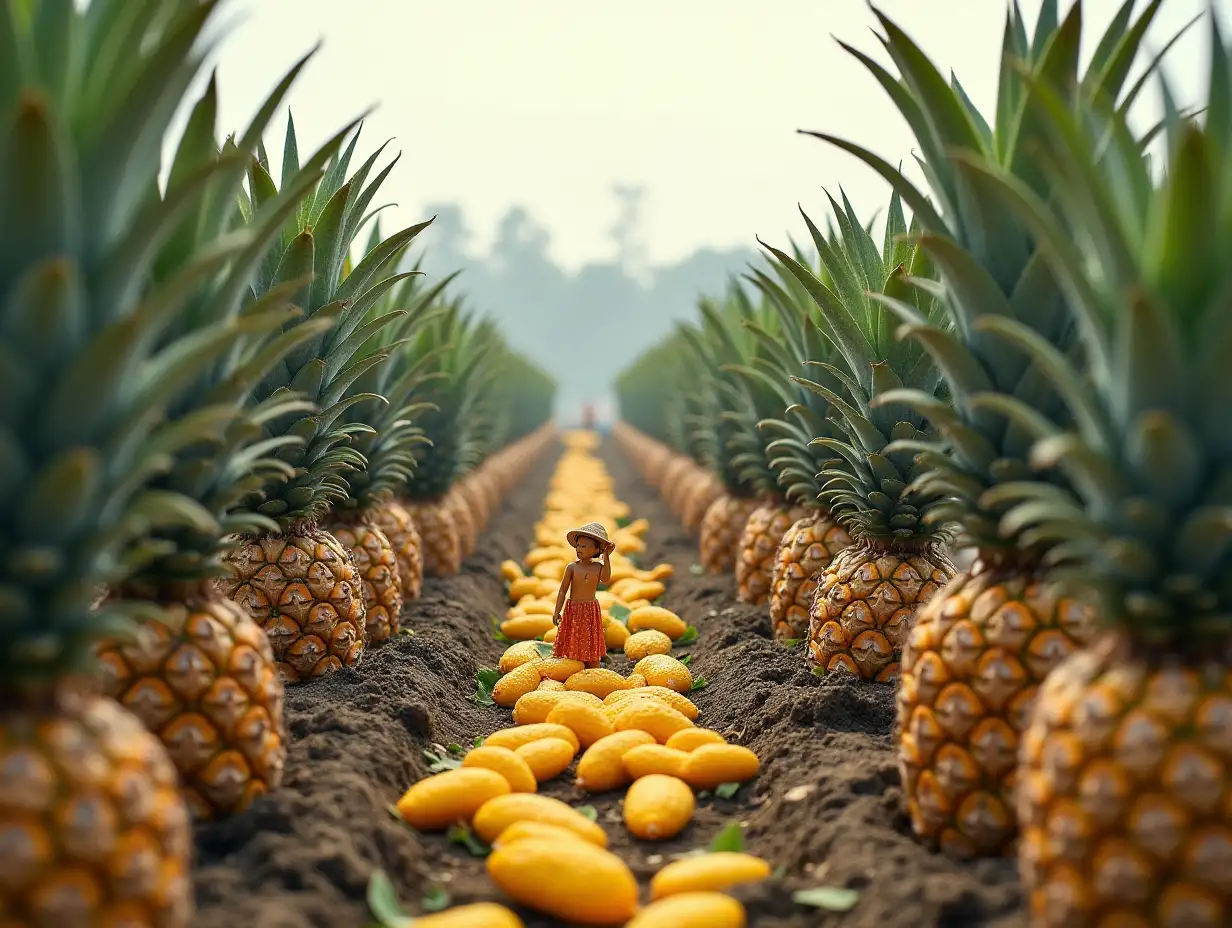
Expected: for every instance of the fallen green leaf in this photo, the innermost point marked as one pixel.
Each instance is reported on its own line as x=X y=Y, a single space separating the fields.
x=699 y=683
x=384 y=904
x=622 y=521
x=727 y=790
x=544 y=648
x=479 y=741
x=589 y=811
x=461 y=834
x=409 y=632
x=620 y=613
x=830 y=898
x=689 y=636
x=685 y=659
x=779 y=873
x=440 y=759
x=819 y=671
x=790 y=643
x=696 y=569
x=435 y=900
x=731 y=838
x=502 y=637
x=485 y=680
x=454 y=748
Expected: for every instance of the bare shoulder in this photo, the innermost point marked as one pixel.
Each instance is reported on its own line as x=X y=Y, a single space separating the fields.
x=570 y=567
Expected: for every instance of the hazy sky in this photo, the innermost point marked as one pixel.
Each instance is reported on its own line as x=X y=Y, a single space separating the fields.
x=549 y=103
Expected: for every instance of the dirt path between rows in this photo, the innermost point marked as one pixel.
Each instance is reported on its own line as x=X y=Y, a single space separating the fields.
x=825 y=807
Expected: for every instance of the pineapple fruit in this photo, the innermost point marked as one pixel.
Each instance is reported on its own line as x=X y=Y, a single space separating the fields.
x=299 y=582
x=876 y=487
x=981 y=648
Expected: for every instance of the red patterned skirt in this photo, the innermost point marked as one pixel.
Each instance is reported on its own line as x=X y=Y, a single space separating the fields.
x=580 y=635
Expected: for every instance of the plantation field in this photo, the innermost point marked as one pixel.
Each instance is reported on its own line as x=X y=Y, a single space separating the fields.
x=825 y=807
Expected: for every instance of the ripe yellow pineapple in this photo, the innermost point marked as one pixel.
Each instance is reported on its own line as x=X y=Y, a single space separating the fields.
x=441 y=547
x=377 y=566
x=806 y=550
x=396 y=521
x=763 y=534
x=464 y=519
x=721 y=528
x=699 y=499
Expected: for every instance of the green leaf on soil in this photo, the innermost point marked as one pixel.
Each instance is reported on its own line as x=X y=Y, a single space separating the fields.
x=699 y=683
x=779 y=873
x=485 y=680
x=589 y=812
x=620 y=613
x=685 y=659
x=689 y=636
x=830 y=898
x=819 y=671
x=479 y=741
x=496 y=630
x=395 y=814
x=461 y=834
x=454 y=748
x=408 y=632
x=790 y=643
x=704 y=794
x=383 y=902
x=730 y=838
x=696 y=569
x=441 y=759
x=727 y=790
x=623 y=521
x=657 y=601
x=435 y=900
x=544 y=648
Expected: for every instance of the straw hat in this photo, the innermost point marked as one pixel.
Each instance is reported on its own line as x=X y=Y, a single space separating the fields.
x=592 y=530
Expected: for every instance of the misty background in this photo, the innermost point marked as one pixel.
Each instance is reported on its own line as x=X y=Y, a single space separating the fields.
x=595 y=167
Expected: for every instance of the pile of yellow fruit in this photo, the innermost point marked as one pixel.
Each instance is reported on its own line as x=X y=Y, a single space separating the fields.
x=637 y=731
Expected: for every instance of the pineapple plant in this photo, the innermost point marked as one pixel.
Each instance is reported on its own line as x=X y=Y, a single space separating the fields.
x=95 y=829
x=200 y=673
x=962 y=709
x=299 y=582
x=457 y=347
x=1124 y=766
x=878 y=486
x=811 y=542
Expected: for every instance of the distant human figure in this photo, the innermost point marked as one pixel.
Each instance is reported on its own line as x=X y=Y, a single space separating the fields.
x=588 y=416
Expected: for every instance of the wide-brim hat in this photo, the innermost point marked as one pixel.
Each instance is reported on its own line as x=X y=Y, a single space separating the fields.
x=592 y=530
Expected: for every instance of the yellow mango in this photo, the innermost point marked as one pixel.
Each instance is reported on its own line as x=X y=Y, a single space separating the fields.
x=502 y=760
x=605 y=599
x=550 y=635
x=658 y=572
x=436 y=802
x=601 y=767
x=636 y=681
x=708 y=873
x=657 y=807
x=526 y=627
x=516 y=684
x=560 y=668
x=680 y=703
x=665 y=670
x=548 y=588
x=537 y=607
x=570 y=882
x=516 y=655
x=643 y=589
x=690 y=910
x=511 y=570
x=495 y=815
x=547 y=758
x=646 y=642
x=657 y=618
x=514 y=738
x=475 y=915
x=521 y=587
x=615 y=634
x=652 y=716
x=646 y=759
x=586 y=720
x=712 y=764
x=549 y=686
x=690 y=739
x=550 y=570
x=520 y=831
x=624 y=571
x=598 y=680
x=536 y=556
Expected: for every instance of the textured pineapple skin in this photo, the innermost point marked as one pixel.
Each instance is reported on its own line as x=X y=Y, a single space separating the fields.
x=760 y=539
x=865 y=604
x=699 y=499
x=971 y=669
x=476 y=500
x=464 y=519
x=1125 y=791
x=305 y=591
x=95 y=831
x=442 y=549
x=204 y=680
x=720 y=532
x=807 y=549
x=396 y=521
x=378 y=572
x=676 y=477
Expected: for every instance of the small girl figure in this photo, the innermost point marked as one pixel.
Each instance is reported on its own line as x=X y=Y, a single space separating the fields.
x=580 y=633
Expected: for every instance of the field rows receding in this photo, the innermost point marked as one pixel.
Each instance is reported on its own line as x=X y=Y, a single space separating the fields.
x=825 y=806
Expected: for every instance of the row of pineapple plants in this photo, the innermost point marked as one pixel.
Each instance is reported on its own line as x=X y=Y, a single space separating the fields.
x=1035 y=370
x=215 y=418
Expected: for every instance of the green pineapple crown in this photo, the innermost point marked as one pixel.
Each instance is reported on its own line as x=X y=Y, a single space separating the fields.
x=657 y=394
x=880 y=485
x=96 y=379
x=986 y=256
x=1145 y=268
x=311 y=254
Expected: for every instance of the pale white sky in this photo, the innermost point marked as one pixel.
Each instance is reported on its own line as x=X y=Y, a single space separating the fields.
x=549 y=103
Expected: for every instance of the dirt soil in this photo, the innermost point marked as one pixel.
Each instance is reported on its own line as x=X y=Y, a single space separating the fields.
x=826 y=806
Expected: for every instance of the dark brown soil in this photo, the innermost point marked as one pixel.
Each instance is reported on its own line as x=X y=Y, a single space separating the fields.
x=826 y=806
